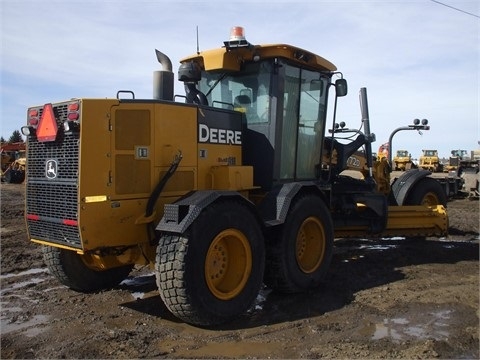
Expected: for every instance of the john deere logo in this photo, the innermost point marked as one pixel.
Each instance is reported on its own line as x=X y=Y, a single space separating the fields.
x=51 y=168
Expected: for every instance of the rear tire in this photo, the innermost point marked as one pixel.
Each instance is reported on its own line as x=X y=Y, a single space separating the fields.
x=426 y=192
x=71 y=270
x=213 y=272
x=299 y=258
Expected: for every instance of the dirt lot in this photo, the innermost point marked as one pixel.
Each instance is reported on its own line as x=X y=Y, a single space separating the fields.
x=389 y=298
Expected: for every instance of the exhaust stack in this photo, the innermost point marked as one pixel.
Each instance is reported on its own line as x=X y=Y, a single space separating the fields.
x=163 y=79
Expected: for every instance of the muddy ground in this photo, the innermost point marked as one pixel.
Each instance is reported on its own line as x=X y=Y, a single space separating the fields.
x=390 y=298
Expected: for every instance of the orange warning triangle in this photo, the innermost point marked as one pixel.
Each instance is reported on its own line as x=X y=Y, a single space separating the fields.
x=47 y=128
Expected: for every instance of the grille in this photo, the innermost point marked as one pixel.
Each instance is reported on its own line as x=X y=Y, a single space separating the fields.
x=55 y=232
x=53 y=200
x=454 y=161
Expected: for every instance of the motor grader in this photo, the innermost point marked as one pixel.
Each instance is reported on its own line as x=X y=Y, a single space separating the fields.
x=234 y=184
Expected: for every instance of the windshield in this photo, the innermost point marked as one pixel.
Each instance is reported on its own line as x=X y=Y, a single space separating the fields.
x=246 y=91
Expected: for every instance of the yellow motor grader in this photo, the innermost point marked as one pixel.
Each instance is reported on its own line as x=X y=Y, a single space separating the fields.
x=234 y=185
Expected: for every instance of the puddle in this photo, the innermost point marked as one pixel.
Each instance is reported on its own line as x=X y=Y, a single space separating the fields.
x=139 y=280
x=24 y=273
x=14 y=318
x=31 y=326
x=449 y=246
x=4 y=308
x=432 y=325
x=380 y=247
x=21 y=284
x=363 y=247
x=134 y=284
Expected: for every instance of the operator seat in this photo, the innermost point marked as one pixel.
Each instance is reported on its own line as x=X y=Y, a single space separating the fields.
x=242 y=103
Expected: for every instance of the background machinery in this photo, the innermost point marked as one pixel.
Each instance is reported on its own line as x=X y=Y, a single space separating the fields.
x=465 y=166
x=430 y=161
x=13 y=162
x=234 y=187
x=456 y=157
x=403 y=161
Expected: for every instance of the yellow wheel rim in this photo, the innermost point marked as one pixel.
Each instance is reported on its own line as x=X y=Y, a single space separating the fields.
x=228 y=264
x=430 y=199
x=310 y=245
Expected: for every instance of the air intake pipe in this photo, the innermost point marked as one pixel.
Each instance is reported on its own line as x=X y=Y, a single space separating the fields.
x=163 y=79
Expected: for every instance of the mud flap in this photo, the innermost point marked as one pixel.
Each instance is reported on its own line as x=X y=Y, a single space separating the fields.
x=180 y=215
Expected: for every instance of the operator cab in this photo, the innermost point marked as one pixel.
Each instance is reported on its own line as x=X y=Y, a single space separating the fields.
x=282 y=91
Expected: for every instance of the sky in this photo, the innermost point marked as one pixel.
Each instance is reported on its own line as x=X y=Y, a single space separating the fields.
x=417 y=58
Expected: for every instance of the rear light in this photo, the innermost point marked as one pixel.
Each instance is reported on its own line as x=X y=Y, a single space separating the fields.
x=73 y=106
x=69 y=222
x=33 y=217
x=32 y=118
x=73 y=118
x=73 y=111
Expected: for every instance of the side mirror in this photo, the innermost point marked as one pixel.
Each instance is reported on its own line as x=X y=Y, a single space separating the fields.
x=341 y=87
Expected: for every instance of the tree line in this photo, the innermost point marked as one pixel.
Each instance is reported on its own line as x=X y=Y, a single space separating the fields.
x=15 y=137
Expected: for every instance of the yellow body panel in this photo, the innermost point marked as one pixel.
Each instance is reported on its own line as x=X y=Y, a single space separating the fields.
x=231 y=177
x=222 y=59
x=123 y=155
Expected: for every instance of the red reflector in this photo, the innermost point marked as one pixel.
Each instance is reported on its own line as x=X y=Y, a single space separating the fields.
x=47 y=130
x=33 y=217
x=33 y=113
x=70 y=222
x=72 y=116
x=33 y=121
x=73 y=107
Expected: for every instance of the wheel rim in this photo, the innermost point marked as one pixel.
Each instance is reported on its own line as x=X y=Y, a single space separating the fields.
x=430 y=199
x=310 y=245
x=228 y=264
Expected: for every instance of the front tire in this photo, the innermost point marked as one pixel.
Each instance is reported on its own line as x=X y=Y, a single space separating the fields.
x=72 y=270
x=299 y=258
x=213 y=272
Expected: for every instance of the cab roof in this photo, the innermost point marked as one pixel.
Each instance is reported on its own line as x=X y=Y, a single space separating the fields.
x=230 y=59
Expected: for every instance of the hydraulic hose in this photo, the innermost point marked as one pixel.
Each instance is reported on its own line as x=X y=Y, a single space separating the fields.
x=152 y=200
